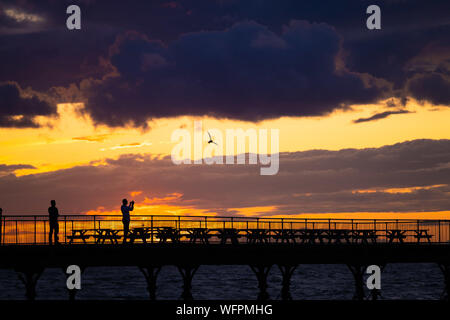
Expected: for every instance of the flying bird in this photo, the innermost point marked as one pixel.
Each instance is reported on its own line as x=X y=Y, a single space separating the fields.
x=211 y=140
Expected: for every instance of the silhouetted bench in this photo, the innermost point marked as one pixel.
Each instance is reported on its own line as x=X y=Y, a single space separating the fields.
x=365 y=235
x=396 y=234
x=231 y=234
x=258 y=236
x=142 y=233
x=311 y=235
x=107 y=234
x=201 y=234
x=337 y=235
x=167 y=233
x=285 y=235
x=422 y=234
x=78 y=234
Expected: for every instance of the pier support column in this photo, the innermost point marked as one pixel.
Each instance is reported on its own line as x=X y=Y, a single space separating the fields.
x=151 y=274
x=29 y=277
x=261 y=273
x=445 y=268
x=187 y=272
x=286 y=272
x=358 y=271
x=72 y=292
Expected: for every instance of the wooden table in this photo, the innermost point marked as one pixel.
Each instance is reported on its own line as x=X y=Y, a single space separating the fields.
x=396 y=234
x=285 y=235
x=311 y=235
x=422 y=234
x=166 y=233
x=78 y=234
x=142 y=233
x=257 y=235
x=107 y=234
x=201 y=234
x=336 y=235
x=228 y=233
x=365 y=235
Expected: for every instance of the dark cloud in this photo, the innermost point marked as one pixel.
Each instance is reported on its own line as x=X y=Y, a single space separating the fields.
x=198 y=60
x=246 y=72
x=13 y=167
x=380 y=115
x=17 y=107
x=311 y=181
x=432 y=87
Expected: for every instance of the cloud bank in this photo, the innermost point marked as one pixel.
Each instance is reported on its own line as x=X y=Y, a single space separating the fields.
x=406 y=177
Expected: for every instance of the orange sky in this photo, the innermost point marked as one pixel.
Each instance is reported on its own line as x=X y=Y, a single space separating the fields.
x=72 y=139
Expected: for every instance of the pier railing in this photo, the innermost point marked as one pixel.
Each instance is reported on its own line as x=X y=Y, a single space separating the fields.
x=34 y=229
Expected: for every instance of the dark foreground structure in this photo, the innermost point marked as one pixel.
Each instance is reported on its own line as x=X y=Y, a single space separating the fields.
x=189 y=242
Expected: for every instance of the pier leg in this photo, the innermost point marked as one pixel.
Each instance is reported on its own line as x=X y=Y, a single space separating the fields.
x=358 y=271
x=445 y=268
x=187 y=272
x=29 y=277
x=261 y=273
x=151 y=274
x=286 y=272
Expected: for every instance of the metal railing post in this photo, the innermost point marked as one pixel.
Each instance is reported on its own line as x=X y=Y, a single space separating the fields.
x=35 y=226
x=65 y=229
x=151 y=228
x=439 y=228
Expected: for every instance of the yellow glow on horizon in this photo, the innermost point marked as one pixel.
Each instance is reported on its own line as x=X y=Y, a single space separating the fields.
x=73 y=139
x=399 y=190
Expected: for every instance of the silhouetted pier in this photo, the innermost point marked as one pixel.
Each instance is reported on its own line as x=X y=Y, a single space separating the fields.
x=191 y=241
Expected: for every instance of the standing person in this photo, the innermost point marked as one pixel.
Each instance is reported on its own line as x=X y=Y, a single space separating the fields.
x=126 y=217
x=1 y=222
x=53 y=218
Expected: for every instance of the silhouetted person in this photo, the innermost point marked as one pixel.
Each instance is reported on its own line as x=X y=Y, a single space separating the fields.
x=126 y=217
x=53 y=218
x=1 y=224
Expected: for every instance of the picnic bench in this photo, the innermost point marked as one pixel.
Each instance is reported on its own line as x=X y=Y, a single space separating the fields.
x=396 y=234
x=364 y=236
x=226 y=234
x=422 y=234
x=78 y=234
x=338 y=235
x=200 y=234
x=142 y=233
x=311 y=235
x=257 y=235
x=107 y=234
x=167 y=233
x=285 y=235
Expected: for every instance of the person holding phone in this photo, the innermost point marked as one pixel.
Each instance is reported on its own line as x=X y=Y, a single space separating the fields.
x=126 y=217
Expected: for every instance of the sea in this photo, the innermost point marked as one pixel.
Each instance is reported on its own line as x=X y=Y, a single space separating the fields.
x=309 y=282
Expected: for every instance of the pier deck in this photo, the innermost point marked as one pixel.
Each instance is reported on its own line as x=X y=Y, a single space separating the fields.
x=260 y=243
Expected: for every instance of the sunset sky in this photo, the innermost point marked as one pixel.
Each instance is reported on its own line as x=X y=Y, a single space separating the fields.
x=86 y=116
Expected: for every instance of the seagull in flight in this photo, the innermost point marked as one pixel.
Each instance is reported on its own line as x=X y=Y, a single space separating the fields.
x=211 y=140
